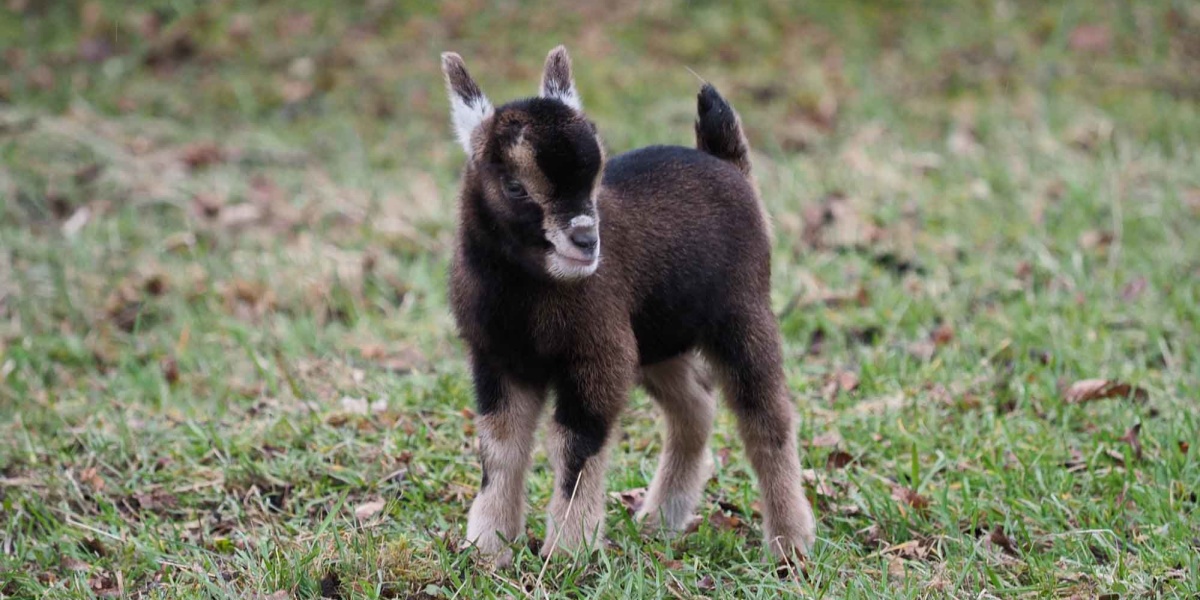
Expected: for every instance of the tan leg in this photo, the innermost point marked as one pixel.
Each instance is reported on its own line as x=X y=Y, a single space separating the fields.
x=506 y=435
x=748 y=355
x=681 y=388
x=590 y=397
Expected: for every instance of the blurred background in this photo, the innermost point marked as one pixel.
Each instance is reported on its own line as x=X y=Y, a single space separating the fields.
x=224 y=234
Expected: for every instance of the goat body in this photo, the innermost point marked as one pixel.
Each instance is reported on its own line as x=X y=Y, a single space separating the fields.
x=583 y=277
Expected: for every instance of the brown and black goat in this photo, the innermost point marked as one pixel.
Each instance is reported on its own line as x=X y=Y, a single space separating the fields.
x=581 y=276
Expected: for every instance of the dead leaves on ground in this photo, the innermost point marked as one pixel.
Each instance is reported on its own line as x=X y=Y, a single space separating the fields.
x=1088 y=390
x=907 y=498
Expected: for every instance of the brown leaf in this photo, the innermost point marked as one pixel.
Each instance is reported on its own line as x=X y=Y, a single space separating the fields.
x=1087 y=390
x=847 y=381
x=1184 y=446
x=91 y=477
x=156 y=501
x=1090 y=39
x=916 y=549
x=838 y=460
x=198 y=155
x=706 y=584
x=71 y=563
x=725 y=522
x=367 y=510
x=1096 y=240
x=999 y=538
x=1131 y=438
x=170 y=370
x=942 y=334
x=631 y=499
x=909 y=497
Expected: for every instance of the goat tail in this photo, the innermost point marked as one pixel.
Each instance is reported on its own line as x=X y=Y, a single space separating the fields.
x=719 y=130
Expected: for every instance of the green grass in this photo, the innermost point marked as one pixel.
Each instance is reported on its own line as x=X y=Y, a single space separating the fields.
x=223 y=321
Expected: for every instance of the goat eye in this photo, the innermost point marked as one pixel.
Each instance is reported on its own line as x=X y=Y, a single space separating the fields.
x=514 y=189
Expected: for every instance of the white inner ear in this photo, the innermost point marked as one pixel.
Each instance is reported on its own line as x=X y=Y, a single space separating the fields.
x=467 y=115
x=568 y=96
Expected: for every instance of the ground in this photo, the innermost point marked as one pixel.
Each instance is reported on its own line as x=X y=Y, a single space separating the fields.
x=227 y=367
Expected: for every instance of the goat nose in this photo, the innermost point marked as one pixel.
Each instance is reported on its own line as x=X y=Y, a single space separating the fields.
x=584 y=238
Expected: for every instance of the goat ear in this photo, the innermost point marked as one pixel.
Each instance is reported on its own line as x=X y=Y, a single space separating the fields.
x=556 y=80
x=468 y=106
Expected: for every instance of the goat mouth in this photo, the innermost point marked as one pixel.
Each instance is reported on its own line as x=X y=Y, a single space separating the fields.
x=580 y=262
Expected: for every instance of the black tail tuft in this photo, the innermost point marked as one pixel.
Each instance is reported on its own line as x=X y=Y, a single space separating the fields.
x=719 y=131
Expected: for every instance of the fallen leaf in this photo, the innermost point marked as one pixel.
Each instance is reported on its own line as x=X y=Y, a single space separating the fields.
x=95 y=546
x=71 y=563
x=912 y=549
x=725 y=522
x=170 y=370
x=706 y=584
x=631 y=499
x=998 y=538
x=1087 y=390
x=91 y=477
x=942 y=334
x=838 y=459
x=1096 y=240
x=367 y=510
x=198 y=155
x=1093 y=39
x=156 y=501
x=1184 y=446
x=909 y=497
x=847 y=381
x=723 y=455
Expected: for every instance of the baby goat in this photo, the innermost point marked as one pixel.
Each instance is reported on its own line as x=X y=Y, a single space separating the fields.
x=583 y=276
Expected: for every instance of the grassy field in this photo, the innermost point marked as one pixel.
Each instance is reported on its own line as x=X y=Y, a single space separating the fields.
x=227 y=366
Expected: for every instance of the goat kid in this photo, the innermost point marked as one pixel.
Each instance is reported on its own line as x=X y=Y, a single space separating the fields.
x=582 y=277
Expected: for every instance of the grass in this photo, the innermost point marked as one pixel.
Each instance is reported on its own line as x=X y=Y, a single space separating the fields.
x=227 y=367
